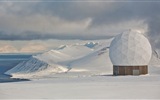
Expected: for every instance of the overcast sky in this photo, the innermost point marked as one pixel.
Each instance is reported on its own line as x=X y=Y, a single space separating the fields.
x=78 y=19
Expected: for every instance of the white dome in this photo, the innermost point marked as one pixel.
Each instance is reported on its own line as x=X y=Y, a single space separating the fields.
x=130 y=48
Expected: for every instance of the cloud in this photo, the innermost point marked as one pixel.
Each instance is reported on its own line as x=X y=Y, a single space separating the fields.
x=41 y=24
x=78 y=20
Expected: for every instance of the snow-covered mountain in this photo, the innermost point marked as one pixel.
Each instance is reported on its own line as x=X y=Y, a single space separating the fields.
x=51 y=62
x=91 y=58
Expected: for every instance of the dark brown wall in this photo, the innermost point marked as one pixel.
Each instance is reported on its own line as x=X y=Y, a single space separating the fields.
x=128 y=70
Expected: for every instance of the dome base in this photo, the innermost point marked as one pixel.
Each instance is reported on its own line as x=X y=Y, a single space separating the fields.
x=130 y=70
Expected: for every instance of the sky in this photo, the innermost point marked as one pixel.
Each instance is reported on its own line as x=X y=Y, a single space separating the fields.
x=33 y=22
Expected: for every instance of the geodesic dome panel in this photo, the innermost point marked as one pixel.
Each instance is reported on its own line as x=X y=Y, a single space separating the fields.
x=130 y=48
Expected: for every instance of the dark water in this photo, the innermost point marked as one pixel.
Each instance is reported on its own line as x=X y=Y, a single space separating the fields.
x=7 y=78
x=8 y=61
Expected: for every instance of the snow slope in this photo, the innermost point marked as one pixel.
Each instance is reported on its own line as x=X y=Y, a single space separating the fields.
x=155 y=59
x=97 y=61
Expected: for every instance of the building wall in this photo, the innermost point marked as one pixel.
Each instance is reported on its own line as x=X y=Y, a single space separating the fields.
x=130 y=70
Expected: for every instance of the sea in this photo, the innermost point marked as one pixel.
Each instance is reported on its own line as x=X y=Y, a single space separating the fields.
x=8 y=61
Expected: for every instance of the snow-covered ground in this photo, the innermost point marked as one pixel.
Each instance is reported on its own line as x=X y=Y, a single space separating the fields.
x=95 y=87
x=80 y=71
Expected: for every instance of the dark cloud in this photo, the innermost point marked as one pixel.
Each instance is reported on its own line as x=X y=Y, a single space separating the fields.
x=154 y=31
x=102 y=13
x=38 y=36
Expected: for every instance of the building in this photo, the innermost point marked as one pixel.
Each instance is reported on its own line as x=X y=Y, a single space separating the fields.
x=130 y=53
